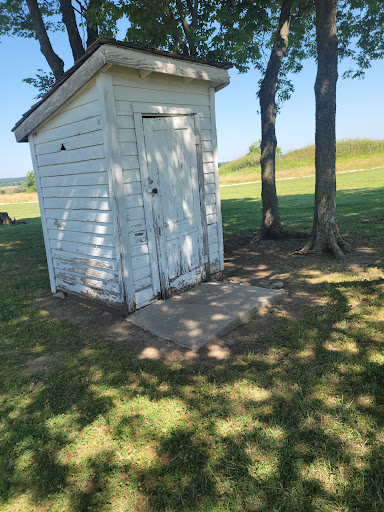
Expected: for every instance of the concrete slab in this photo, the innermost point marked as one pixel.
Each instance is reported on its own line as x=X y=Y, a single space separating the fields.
x=196 y=316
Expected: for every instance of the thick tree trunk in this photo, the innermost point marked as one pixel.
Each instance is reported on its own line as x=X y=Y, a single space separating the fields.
x=54 y=61
x=325 y=235
x=271 y=225
x=69 y=21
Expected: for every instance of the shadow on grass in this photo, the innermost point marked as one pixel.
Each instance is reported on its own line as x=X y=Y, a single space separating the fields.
x=359 y=211
x=294 y=427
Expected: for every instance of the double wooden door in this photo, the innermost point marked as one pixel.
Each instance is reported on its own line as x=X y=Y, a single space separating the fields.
x=173 y=183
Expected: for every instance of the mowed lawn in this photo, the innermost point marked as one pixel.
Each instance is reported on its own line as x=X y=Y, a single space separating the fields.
x=296 y=426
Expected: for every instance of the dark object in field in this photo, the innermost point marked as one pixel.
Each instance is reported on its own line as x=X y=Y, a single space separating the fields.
x=6 y=219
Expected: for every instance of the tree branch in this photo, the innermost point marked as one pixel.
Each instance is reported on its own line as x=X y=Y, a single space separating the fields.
x=54 y=61
x=69 y=21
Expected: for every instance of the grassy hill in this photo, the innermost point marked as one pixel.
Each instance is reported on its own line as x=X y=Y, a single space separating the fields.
x=350 y=154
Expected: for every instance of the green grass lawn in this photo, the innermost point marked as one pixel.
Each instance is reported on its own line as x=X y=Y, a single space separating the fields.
x=360 y=204
x=294 y=427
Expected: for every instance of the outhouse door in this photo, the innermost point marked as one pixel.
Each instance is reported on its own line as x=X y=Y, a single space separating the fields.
x=174 y=187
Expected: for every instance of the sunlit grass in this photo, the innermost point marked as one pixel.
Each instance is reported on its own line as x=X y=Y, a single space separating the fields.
x=351 y=154
x=296 y=426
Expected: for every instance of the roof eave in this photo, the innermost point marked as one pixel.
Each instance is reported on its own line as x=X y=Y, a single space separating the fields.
x=105 y=54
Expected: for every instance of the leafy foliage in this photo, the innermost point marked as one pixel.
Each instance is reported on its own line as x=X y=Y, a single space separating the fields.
x=42 y=81
x=30 y=183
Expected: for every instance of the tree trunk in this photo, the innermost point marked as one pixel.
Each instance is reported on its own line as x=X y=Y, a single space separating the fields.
x=54 y=61
x=92 y=28
x=271 y=225
x=325 y=235
x=69 y=21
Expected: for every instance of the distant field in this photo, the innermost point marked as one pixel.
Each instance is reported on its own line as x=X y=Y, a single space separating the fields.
x=351 y=154
x=22 y=197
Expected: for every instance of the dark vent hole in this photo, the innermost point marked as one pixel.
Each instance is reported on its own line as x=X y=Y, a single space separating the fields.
x=63 y=148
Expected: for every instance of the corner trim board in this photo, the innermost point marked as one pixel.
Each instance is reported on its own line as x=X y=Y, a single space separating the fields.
x=115 y=177
x=48 y=251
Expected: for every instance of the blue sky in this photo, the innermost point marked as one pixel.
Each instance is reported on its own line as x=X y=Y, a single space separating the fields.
x=360 y=106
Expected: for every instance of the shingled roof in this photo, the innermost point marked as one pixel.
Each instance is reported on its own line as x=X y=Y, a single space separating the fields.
x=122 y=44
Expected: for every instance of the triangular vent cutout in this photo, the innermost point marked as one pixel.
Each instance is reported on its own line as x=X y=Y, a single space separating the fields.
x=63 y=148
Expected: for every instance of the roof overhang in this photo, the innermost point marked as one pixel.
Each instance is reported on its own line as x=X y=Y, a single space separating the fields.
x=105 y=53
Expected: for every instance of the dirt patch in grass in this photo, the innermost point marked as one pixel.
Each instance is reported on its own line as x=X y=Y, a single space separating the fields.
x=36 y=365
x=259 y=264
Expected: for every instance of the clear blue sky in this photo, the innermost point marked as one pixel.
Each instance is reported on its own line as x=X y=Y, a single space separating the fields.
x=360 y=106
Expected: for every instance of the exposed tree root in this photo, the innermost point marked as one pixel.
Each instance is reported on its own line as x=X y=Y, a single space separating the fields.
x=330 y=242
x=280 y=234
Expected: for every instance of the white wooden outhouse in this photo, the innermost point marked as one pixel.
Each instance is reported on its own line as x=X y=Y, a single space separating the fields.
x=125 y=160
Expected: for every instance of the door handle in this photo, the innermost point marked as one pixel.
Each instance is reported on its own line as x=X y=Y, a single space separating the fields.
x=154 y=191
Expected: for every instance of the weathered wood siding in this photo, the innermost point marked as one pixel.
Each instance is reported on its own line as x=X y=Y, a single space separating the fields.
x=76 y=199
x=157 y=90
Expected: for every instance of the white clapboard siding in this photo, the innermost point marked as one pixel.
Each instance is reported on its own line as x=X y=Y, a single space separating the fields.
x=84 y=140
x=82 y=259
x=158 y=83
x=136 y=213
x=128 y=149
x=139 y=250
x=207 y=156
x=205 y=122
x=88 y=281
x=79 y=191
x=100 y=294
x=130 y=162
x=212 y=219
x=87 y=166
x=83 y=238
x=137 y=225
x=127 y=135
x=84 y=270
x=139 y=262
x=87 y=95
x=70 y=131
x=81 y=227
x=74 y=180
x=134 y=201
x=210 y=188
x=211 y=209
x=141 y=273
x=88 y=250
x=210 y=199
x=130 y=175
x=208 y=168
x=80 y=215
x=206 y=135
x=73 y=115
x=142 y=284
x=125 y=121
x=144 y=297
x=77 y=204
x=130 y=94
x=209 y=178
x=132 y=189
x=70 y=156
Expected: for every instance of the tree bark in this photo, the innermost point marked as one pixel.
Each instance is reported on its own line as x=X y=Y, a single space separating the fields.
x=69 y=21
x=92 y=28
x=54 y=61
x=325 y=235
x=271 y=226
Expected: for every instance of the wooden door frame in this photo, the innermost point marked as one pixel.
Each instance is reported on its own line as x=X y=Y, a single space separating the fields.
x=141 y=111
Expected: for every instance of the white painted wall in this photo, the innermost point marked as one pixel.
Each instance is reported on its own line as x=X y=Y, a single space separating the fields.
x=75 y=199
x=79 y=212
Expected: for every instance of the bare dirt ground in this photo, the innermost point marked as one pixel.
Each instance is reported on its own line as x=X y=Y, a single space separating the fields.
x=258 y=264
